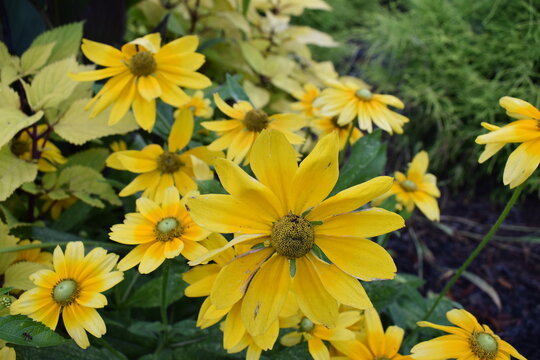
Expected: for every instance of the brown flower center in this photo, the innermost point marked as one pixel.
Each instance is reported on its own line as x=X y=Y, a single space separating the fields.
x=292 y=236
x=364 y=94
x=19 y=147
x=168 y=229
x=169 y=162
x=409 y=186
x=484 y=345
x=142 y=64
x=65 y=292
x=256 y=120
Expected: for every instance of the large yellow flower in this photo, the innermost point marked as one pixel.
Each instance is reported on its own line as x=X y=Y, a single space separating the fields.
x=284 y=216
x=378 y=344
x=74 y=289
x=417 y=188
x=526 y=130
x=50 y=156
x=468 y=341
x=326 y=125
x=348 y=98
x=160 y=169
x=238 y=134
x=160 y=232
x=142 y=72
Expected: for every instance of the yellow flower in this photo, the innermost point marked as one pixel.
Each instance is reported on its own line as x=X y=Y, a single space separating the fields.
x=378 y=344
x=119 y=145
x=74 y=289
x=50 y=155
x=348 y=98
x=239 y=133
x=160 y=169
x=468 y=340
x=305 y=100
x=290 y=7
x=199 y=105
x=283 y=214
x=326 y=125
x=417 y=188
x=160 y=232
x=6 y=352
x=33 y=255
x=142 y=72
x=57 y=206
x=525 y=158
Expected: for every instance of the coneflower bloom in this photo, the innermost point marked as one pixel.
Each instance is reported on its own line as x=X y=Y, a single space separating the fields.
x=199 y=105
x=327 y=125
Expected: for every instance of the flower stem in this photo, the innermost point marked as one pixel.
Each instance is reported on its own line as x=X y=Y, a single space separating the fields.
x=476 y=251
x=164 y=283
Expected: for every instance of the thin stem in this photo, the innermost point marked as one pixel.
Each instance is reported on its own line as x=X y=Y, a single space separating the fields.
x=108 y=346
x=477 y=250
x=164 y=283
x=347 y=145
x=50 y=244
x=130 y=287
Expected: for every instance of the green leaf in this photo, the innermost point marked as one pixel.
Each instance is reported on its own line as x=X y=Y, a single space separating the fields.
x=253 y=57
x=245 y=6
x=93 y=158
x=188 y=328
x=12 y=121
x=67 y=351
x=35 y=57
x=234 y=89
x=14 y=172
x=5 y=290
x=210 y=187
x=47 y=235
x=297 y=352
x=67 y=39
x=73 y=216
x=8 y=97
x=367 y=160
x=21 y=330
x=146 y=329
x=149 y=294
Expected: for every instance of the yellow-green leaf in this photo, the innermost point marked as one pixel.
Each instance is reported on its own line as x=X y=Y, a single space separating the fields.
x=67 y=39
x=12 y=120
x=253 y=56
x=35 y=57
x=14 y=172
x=8 y=97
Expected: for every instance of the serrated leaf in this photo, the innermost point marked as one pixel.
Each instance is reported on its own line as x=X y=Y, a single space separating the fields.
x=14 y=172
x=21 y=330
x=35 y=57
x=12 y=121
x=67 y=39
x=92 y=158
x=8 y=97
x=77 y=127
x=149 y=294
x=234 y=89
x=5 y=56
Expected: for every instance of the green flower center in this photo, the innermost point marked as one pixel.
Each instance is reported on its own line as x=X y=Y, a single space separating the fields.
x=65 y=292
x=409 y=186
x=256 y=120
x=292 y=236
x=169 y=162
x=306 y=325
x=142 y=64
x=364 y=94
x=484 y=345
x=5 y=301
x=19 y=147
x=168 y=229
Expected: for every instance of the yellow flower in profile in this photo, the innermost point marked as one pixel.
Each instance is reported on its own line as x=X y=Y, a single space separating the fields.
x=238 y=134
x=6 y=352
x=159 y=233
x=160 y=169
x=199 y=105
x=50 y=156
x=305 y=100
x=282 y=215
x=525 y=159
x=348 y=98
x=378 y=344
x=142 y=72
x=327 y=125
x=119 y=145
x=467 y=340
x=74 y=289
x=417 y=188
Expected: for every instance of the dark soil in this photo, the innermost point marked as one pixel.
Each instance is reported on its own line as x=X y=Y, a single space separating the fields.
x=510 y=266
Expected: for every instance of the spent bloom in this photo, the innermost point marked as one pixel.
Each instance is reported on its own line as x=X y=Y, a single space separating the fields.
x=141 y=72
x=282 y=215
x=467 y=340
x=525 y=131
x=74 y=289
x=50 y=156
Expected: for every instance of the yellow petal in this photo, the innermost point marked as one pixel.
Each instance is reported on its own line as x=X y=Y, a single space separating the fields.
x=463 y=319
x=518 y=131
x=89 y=319
x=150 y=210
x=74 y=328
x=427 y=204
x=142 y=182
x=393 y=337
x=389 y=100
x=181 y=130
x=98 y=74
x=152 y=258
x=518 y=108
x=317 y=349
x=365 y=223
x=442 y=348
x=249 y=239
x=375 y=333
x=227 y=109
x=185 y=44
x=233 y=329
x=221 y=125
x=91 y=299
x=145 y=112
x=521 y=163
x=193 y=250
x=148 y=87
x=170 y=92
x=291 y=338
x=209 y=315
x=419 y=165
x=102 y=54
x=122 y=103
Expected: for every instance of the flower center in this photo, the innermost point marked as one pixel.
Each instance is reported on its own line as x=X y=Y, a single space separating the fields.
x=19 y=147
x=364 y=94
x=256 y=120
x=292 y=236
x=409 y=186
x=65 y=292
x=142 y=64
x=306 y=325
x=484 y=346
x=169 y=162
x=334 y=121
x=168 y=229
x=5 y=301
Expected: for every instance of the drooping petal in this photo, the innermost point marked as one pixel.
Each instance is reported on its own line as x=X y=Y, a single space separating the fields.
x=365 y=223
x=152 y=258
x=181 y=130
x=148 y=87
x=74 y=327
x=463 y=319
x=145 y=112
x=317 y=349
x=441 y=348
x=427 y=204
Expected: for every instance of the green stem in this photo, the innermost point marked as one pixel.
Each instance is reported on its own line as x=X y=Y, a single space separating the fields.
x=164 y=283
x=347 y=145
x=55 y=243
x=130 y=287
x=476 y=251
x=113 y=351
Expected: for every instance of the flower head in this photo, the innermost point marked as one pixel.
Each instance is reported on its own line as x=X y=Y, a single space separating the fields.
x=74 y=289
x=327 y=125
x=305 y=100
x=159 y=233
x=467 y=340
x=525 y=159
x=199 y=105
x=142 y=72
x=50 y=156
x=282 y=215
x=348 y=98
x=238 y=134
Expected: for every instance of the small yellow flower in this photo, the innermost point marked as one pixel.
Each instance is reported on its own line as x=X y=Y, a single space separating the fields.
x=142 y=72
x=55 y=207
x=525 y=159
x=6 y=352
x=284 y=214
x=327 y=125
x=348 y=98
x=160 y=232
x=119 y=145
x=378 y=344
x=50 y=156
x=238 y=134
x=160 y=169
x=199 y=105
x=467 y=340
x=305 y=100
x=74 y=289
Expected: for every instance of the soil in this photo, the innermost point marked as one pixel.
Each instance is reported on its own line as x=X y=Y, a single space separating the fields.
x=511 y=267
